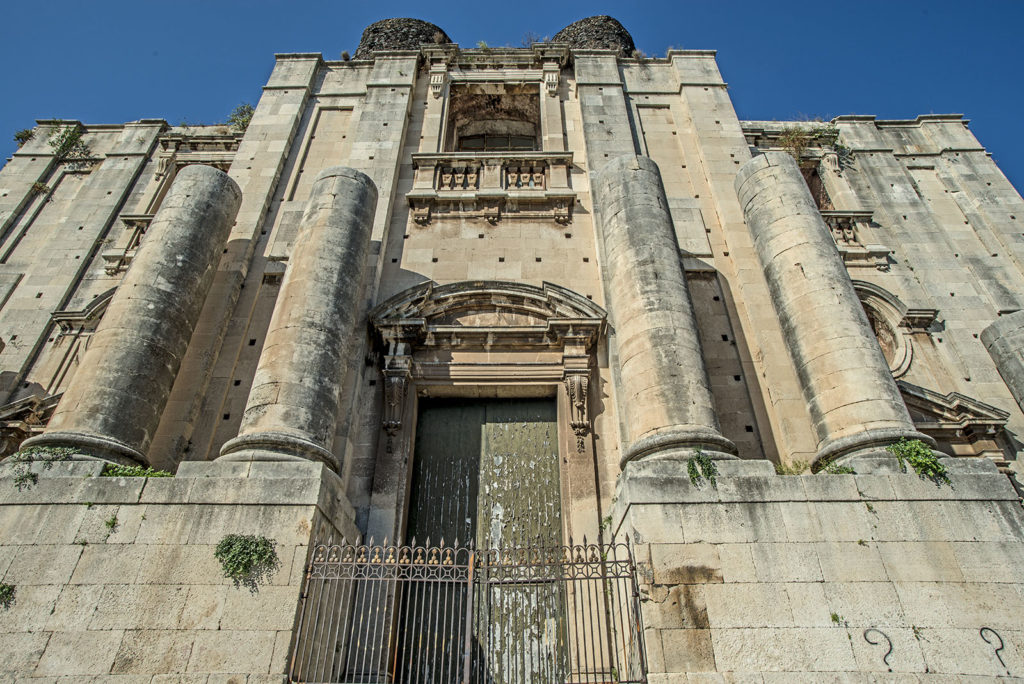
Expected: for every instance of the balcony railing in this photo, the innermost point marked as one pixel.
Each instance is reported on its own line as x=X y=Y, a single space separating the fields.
x=492 y=186
x=847 y=228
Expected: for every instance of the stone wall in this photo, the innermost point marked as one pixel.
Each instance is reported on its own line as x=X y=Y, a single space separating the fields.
x=145 y=599
x=778 y=578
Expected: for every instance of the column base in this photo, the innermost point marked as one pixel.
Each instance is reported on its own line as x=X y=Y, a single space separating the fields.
x=679 y=442
x=867 y=445
x=89 y=447
x=276 y=446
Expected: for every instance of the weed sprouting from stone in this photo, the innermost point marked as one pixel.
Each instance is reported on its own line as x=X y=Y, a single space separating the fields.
x=921 y=458
x=7 y=595
x=701 y=467
x=247 y=559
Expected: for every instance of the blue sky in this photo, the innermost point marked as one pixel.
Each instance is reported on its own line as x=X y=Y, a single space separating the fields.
x=113 y=61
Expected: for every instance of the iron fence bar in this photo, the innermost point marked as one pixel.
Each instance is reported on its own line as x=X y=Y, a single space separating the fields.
x=388 y=613
x=466 y=671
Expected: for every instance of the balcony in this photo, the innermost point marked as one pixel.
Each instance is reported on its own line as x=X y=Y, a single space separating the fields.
x=847 y=228
x=492 y=186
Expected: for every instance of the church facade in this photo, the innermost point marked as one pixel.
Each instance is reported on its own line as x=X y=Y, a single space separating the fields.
x=525 y=364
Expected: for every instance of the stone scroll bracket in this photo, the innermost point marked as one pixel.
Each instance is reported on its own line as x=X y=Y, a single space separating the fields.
x=576 y=362
x=397 y=371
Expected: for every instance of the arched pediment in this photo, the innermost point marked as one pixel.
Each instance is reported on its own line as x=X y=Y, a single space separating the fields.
x=86 y=318
x=497 y=310
x=431 y=301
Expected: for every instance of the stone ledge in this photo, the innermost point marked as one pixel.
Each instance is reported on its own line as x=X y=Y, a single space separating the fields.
x=666 y=482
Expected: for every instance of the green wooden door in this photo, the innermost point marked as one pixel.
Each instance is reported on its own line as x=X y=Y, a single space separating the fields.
x=487 y=471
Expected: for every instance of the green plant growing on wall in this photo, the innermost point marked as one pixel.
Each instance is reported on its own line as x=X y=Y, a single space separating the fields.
x=795 y=140
x=241 y=116
x=794 y=468
x=23 y=460
x=701 y=467
x=117 y=470
x=40 y=188
x=247 y=559
x=833 y=468
x=921 y=458
x=7 y=595
x=67 y=144
x=23 y=136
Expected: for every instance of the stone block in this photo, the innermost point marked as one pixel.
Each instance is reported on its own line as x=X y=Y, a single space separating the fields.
x=270 y=608
x=108 y=564
x=166 y=525
x=865 y=604
x=74 y=608
x=232 y=651
x=760 y=489
x=127 y=606
x=33 y=603
x=786 y=562
x=990 y=561
x=685 y=563
x=733 y=523
x=80 y=653
x=282 y=649
x=748 y=606
x=850 y=562
x=203 y=607
x=964 y=652
x=801 y=521
x=687 y=650
x=655 y=523
x=920 y=561
x=152 y=652
x=22 y=651
x=109 y=524
x=825 y=487
x=737 y=563
x=808 y=605
x=783 y=650
x=180 y=564
x=49 y=564
x=167 y=490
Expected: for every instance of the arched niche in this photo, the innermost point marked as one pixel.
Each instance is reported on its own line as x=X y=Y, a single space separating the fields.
x=893 y=322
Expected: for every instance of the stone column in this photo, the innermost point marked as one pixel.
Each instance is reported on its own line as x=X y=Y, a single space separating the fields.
x=1004 y=340
x=292 y=410
x=854 y=402
x=663 y=388
x=115 y=400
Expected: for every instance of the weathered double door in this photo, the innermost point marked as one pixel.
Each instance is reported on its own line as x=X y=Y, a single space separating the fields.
x=486 y=473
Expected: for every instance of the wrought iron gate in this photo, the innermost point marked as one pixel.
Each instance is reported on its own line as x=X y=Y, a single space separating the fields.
x=450 y=614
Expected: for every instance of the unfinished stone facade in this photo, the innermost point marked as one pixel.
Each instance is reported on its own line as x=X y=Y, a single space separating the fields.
x=727 y=321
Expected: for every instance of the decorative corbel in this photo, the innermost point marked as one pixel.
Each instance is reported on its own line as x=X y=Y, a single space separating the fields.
x=437 y=81
x=577 y=385
x=551 y=72
x=396 y=385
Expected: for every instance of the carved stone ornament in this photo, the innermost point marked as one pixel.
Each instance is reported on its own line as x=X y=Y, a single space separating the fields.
x=396 y=384
x=437 y=81
x=576 y=387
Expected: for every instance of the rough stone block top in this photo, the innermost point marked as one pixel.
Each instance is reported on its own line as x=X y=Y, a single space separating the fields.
x=398 y=34
x=597 y=33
